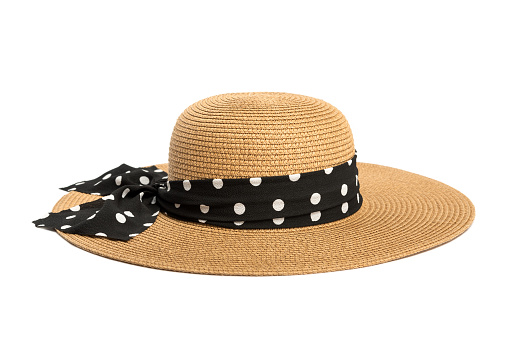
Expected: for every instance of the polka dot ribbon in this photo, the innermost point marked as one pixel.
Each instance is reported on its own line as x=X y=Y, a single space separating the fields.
x=133 y=197
x=127 y=208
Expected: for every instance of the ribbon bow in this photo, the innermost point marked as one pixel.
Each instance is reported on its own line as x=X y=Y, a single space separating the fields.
x=133 y=197
x=127 y=208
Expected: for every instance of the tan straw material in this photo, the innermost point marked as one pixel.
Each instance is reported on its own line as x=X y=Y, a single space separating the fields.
x=265 y=134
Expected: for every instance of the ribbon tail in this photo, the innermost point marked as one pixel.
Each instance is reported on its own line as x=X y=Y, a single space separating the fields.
x=118 y=216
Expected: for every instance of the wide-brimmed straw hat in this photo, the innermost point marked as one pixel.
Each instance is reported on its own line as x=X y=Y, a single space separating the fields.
x=259 y=184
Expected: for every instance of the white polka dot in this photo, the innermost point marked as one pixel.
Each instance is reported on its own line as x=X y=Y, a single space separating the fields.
x=315 y=216
x=121 y=218
x=278 y=204
x=100 y=234
x=41 y=225
x=71 y=217
x=125 y=192
x=328 y=171
x=217 y=183
x=204 y=208
x=177 y=205
x=79 y=183
x=169 y=186
x=64 y=227
x=278 y=221
x=239 y=223
x=107 y=176
x=133 y=235
x=315 y=198
x=95 y=193
x=158 y=170
x=154 y=200
x=155 y=214
x=141 y=196
x=344 y=207
x=255 y=181
x=97 y=183
x=91 y=217
x=118 y=180
x=127 y=172
x=164 y=177
x=202 y=220
x=144 y=180
x=148 y=224
x=349 y=162
x=186 y=185
x=294 y=177
x=72 y=189
x=358 y=197
x=75 y=208
x=144 y=170
x=239 y=208
x=356 y=180
x=108 y=197
x=343 y=190
x=129 y=214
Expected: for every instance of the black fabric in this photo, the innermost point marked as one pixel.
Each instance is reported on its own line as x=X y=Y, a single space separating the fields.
x=127 y=208
x=133 y=197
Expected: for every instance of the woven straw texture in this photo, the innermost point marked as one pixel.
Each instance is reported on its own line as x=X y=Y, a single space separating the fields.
x=265 y=134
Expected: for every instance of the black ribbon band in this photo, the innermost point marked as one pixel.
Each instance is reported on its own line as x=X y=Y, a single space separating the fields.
x=132 y=198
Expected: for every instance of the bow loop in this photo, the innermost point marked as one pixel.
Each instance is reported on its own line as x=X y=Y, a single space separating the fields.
x=123 y=175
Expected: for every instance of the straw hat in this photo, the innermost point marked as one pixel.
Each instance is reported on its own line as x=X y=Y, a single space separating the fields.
x=260 y=135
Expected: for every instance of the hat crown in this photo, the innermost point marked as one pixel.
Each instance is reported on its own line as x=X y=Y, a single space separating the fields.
x=242 y=135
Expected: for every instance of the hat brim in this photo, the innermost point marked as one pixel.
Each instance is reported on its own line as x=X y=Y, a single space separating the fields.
x=402 y=214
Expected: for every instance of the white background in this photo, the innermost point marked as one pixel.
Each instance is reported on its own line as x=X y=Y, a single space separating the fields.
x=87 y=85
